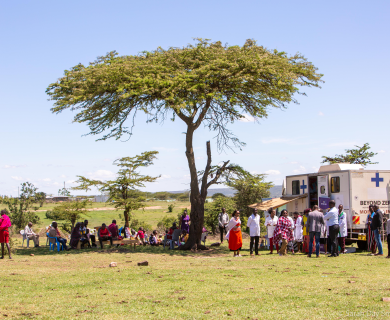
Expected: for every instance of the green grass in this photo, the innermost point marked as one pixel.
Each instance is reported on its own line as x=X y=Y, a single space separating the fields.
x=186 y=285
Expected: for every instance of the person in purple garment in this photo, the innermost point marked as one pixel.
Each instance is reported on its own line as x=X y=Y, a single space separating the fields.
x=185 y=222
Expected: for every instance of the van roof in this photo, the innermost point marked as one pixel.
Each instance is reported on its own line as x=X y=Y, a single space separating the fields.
x=340 y=167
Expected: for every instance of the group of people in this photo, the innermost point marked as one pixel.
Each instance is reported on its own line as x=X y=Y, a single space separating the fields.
x=303 y=232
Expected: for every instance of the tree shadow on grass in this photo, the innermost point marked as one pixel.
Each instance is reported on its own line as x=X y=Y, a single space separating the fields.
x=126 y=249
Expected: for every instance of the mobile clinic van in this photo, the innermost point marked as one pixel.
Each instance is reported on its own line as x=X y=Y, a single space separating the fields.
x=347 y=184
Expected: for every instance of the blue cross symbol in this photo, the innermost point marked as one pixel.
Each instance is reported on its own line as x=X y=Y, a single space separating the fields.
x=377 y=179
x=303 y=186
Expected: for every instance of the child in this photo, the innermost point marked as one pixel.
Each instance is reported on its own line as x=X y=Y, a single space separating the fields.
x=153 y=239
x=184 y=237
x=141 y=235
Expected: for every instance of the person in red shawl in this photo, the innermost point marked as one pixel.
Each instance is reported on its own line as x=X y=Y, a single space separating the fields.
x=234 y=234
x=5 y=223
x=284 y=232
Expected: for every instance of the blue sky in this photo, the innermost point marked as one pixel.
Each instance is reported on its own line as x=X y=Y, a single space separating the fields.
x=346 y=40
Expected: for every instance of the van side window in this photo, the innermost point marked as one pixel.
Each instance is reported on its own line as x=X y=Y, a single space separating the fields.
x=335 y=184
x=295 y=187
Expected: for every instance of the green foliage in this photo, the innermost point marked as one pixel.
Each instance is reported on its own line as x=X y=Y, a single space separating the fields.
x=64 y=192
x=135 y=224
x=213 y=209
x=170 y=207
x=123 y=190
x=360 y=155
x=250 y=188
x=166 y=222
x=53 y=215
x=218 y=194
x=207 y=83
x=19 y=208
x=71 y=211
x=40 y=198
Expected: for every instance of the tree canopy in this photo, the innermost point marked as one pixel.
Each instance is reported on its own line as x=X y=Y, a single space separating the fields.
x=123 y=191
x=206 y=83
x=360 y=155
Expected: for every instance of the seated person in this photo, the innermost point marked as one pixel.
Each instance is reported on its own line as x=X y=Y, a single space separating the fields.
x=133 y=234
x=30 y=234
x=153 y=239
x=104 y=234
x=75 y=236
x=184 y=237
x=171 y=230
x=127 y=232
x=140 y=234
x=89 y=235
x=84 y=236
x=114 y=230
x=55 y=233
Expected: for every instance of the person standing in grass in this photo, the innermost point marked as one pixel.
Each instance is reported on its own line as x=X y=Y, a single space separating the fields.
x=333 y=222
x=376 y=226
x=223 y=220
x=234 y=234
x=343 y=228
x=254 y=231
x=5 y=223
x=305 y=232
x=270 y=222
x=371 y=243
x=298 y=231
x=388 y=237
x=184 y=223
x=283 y=231
x=315 y=221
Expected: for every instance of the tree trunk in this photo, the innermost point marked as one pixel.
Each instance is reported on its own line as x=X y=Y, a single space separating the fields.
x=126 y=215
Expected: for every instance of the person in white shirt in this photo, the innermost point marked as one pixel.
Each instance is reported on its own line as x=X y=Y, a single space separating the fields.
x=31 y=234
x=223 y=220
x=298 y=230
x=291 y=243
x=254 y=231
x=343 y=228
x=333 y=222
x=270 y=222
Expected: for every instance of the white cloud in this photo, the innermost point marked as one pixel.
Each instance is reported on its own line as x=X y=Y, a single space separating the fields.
x=247 y=118
x=294 y=162
x=62 y=176
x=272 y=172
x=320 y=114
x=341 y=144
x=199 y=158
x=315 y=169
x=301 y=169
x=275 y=140
x=46 y=179
x=381 y=151
x=101 y=175
x=13 y=166
x=17 y=178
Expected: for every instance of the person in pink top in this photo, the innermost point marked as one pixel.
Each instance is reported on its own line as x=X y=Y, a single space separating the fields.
x=141 y=235
x=5 y=223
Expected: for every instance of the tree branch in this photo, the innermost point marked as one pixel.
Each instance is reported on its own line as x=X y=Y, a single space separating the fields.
x=206 y=171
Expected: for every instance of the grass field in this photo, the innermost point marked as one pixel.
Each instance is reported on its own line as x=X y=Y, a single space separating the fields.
x=186 y=285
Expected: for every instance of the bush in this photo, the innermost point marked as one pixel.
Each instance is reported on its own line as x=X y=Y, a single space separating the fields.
x=53 y=215
x=135 y=224
x=170 y=207
x=166 y=222
x=212 y=210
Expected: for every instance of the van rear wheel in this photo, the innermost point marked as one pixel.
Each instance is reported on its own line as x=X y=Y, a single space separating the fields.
x=362 y=245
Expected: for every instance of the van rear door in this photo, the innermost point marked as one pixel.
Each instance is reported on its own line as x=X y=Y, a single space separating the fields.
x=323 y=189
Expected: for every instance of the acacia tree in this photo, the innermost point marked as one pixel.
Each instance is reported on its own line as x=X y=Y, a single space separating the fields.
x=360 y=155
x=207 y=83
x=123 y=190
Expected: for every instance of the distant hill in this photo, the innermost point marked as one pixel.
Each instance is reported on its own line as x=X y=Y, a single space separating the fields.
x=275 y=191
